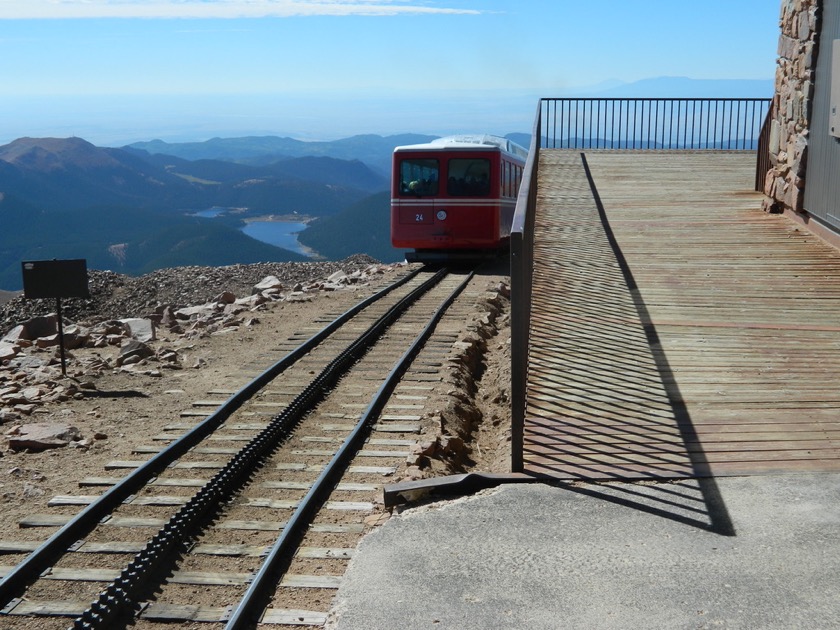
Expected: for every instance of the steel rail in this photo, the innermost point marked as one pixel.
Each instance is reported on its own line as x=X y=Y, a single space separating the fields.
x=124 y=594
x=80 y=525
x=253 y=602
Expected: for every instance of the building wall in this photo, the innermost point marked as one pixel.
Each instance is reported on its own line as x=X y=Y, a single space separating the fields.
x=822 y=192
x=790 y=126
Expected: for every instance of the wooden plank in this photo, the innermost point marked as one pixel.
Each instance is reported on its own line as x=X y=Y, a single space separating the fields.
x=19 y=546
x=350 y=506
x=325 y=552
x=333 y=528
x=396 y=428
x=274 y=504
x=724 y=350
x=160 y=611
x=110 y=547
x=35 y=608
x=230 y=550
x=311 y=581
x=210 y=578
x=292 y=617
x=372 y=470
x=260 y=526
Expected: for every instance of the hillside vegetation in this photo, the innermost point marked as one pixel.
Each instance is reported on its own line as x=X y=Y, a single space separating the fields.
x=364 y=227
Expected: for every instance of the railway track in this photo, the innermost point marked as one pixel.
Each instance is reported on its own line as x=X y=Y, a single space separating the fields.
x=248 y=517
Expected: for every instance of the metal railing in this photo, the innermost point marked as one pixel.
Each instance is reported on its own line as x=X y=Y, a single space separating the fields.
x=727 y=124
x=627 y=124
x=521 y=282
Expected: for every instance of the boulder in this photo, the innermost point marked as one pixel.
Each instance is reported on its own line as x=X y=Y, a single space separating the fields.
x=226 y=297
x=39 y=436
x=15 y=335
x=8 y=351
x=194 y=312
x=141 y=329
x=339 y=277
x=41 y=326
x=269 y=282
x=46 y=342
x=132 y=351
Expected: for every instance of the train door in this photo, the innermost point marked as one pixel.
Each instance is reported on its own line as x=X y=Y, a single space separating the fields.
x=418 y=184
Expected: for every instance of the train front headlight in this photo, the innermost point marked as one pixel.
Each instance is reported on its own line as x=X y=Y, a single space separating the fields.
x=441 y=215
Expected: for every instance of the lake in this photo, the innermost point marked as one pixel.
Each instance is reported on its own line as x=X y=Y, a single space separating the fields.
x=279 y=233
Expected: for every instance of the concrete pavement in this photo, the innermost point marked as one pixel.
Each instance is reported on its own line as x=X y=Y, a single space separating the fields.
x=751 y=552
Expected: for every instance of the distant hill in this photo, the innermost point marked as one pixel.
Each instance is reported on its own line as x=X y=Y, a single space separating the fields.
x=70 y=173
x=65 y=173
x=339 y=236
x=373 y=150
x=352 y=174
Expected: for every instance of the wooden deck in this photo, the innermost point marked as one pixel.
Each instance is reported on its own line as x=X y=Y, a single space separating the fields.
x=677 y=330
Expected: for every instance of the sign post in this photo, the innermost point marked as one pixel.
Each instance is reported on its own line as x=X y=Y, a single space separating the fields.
x=56 y=279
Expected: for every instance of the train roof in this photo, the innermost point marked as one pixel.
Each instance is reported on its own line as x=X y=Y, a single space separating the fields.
x=477 y=142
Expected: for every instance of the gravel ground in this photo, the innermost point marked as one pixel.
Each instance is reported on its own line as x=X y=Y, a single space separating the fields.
x=115 y=296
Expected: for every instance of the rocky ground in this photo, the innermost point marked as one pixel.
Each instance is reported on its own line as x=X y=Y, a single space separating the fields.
x=184 y=332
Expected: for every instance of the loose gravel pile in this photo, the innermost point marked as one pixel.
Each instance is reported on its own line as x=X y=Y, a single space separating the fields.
x=115 y=296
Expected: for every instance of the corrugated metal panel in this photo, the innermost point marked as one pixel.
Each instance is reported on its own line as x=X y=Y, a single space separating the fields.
x=822 y=191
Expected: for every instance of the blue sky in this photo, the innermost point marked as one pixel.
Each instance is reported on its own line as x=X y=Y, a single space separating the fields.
x=114 y=71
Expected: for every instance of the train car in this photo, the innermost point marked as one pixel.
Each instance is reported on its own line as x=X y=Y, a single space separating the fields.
x=453 y=198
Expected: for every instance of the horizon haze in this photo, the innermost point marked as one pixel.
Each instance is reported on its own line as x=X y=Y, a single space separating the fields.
x=120 y=71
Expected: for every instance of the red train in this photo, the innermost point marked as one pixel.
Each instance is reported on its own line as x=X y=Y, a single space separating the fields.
x=454 y=197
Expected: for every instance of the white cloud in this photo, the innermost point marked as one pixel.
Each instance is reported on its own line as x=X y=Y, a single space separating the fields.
x=57 y=9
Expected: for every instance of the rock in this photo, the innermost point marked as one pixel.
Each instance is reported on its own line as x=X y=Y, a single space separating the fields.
x=141 y=329
x=47 y=342
x=6 y=415
x=8 y=351
x=226 y=297
x=133 y=351
x=43 y=326
x=32 y=492
x=195 y=312
x=269 y=282
x=339 y=277
x=39 y=436
x=14 y=335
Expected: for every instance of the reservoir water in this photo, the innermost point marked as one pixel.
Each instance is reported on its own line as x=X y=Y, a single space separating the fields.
x=279 y=233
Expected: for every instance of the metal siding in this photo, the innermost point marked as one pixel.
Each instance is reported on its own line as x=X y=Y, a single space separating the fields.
x=822 y=191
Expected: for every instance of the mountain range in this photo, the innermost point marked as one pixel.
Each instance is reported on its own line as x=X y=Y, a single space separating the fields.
x=133 y=211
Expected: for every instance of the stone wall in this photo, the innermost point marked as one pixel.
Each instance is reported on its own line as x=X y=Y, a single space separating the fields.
x=785 y=182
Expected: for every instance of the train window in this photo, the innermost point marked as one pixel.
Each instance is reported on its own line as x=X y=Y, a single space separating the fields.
x=419 y=177
x=468 y=177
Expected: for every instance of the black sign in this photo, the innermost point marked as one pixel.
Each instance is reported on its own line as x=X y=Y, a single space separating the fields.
x=55 y=278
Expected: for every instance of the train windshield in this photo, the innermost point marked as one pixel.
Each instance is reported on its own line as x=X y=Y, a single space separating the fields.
x=468 y=177
x=419 y=176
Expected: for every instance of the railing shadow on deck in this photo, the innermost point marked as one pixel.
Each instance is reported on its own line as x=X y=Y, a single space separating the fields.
x=691 y=495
